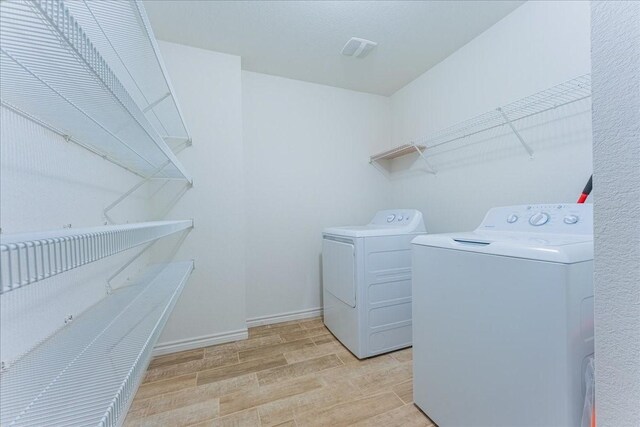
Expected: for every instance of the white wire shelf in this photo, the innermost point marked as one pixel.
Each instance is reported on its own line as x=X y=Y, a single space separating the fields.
x=88 y=372
x=400 y=151
x=396 y=152
x=122 y=34
x=51 y=71
x=558 y=96
x=26 y=258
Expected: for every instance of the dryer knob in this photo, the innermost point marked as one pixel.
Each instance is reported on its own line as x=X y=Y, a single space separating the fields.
x=571 y=219
x=538 y=219
x=390 y=218
x=512 y=218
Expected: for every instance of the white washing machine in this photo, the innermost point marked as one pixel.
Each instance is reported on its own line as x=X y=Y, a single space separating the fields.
x=503 y=318
x=366 y=277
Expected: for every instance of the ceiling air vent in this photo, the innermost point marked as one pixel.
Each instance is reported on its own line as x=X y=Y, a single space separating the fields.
x=358 y=47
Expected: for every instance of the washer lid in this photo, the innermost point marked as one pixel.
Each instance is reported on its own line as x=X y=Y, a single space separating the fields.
x=384 y=223
x=560 y=248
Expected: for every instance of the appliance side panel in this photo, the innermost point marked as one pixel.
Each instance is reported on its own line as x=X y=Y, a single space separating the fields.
x=580 y=318
x=490 y=329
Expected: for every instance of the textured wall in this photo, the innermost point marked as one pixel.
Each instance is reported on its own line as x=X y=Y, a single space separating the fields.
x=616 y=145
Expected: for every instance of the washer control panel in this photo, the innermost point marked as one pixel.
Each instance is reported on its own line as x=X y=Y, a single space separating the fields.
x=569 y=218
x=538 y=218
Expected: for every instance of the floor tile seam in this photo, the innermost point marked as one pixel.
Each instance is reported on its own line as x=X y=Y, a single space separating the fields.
x=166 y=356
x=217 y=398
x=352 y=401
x=401 y=399
x=263 y=423
x=274 y=345
x=239 y=363
x=310 y=374
x=364 y=388
x=194 y=372
x=168 y=392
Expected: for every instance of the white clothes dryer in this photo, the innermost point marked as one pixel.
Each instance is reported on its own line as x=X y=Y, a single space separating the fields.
x=503 y=319
x=366 y=277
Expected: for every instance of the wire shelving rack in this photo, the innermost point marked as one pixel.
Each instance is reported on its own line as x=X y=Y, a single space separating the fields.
x=122 y=34
x=27 y=258
x=400 y=151
x=53 y=72
x=88 y=372
x=507 y=116
x=566 y=93
x=92 y=72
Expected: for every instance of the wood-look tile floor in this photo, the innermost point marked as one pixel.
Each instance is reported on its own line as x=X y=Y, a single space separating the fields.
x=286 y=374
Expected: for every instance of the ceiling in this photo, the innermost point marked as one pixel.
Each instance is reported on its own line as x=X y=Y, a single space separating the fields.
x=302 y=39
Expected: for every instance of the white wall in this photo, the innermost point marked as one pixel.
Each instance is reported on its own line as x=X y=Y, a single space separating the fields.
x=539 y=45
x=306 y=150
x=212 y=306
x=276 y=160
x=616 y=146
x=47 y=183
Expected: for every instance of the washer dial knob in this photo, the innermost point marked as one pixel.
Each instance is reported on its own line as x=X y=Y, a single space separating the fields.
x=571 y=219
x=512 y=218
x=538 y=219
x=391 y=217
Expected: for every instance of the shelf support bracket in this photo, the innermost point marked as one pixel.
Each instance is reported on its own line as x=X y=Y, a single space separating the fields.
x=109 y=288
x=507 y=121
x=130 y=191
x=156 y=102
x=379 y=168
x=431 y=170
x=105 y=211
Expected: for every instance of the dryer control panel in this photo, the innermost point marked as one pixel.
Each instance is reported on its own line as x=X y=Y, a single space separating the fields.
x=409 y=218
x=567 y=218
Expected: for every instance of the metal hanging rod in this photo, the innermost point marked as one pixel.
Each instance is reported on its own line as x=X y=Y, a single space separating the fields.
x=52 y=70
x=88 y=372
x=30 y=257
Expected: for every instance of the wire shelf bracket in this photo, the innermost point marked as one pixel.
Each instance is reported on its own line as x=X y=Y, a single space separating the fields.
x=144 y=180
x=400 y=151
x=88 y=372
x=526 y=146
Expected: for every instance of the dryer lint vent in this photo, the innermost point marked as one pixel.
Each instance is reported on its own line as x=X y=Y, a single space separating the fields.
x=358 y=47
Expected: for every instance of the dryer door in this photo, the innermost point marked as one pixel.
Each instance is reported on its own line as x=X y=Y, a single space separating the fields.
x=338 y=269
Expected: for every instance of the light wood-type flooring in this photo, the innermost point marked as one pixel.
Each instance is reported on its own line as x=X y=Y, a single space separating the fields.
x=286 y=374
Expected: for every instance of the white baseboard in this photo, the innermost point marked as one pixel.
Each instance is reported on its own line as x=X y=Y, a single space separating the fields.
x=284 y=317
x=198 y=342
x=240 y=334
